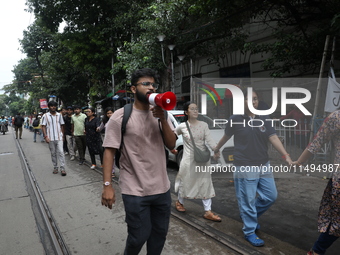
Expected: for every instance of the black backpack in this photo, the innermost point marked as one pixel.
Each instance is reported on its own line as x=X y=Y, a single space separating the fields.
x=18 y=121
x=126 y=116
x=36 y=123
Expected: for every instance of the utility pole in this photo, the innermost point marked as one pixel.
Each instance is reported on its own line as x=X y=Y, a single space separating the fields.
x=318 y=89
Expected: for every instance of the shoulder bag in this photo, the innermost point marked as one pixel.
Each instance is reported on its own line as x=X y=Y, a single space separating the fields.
x=199 y=155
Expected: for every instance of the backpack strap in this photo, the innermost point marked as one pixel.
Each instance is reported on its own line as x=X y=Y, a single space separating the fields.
x=126 y=116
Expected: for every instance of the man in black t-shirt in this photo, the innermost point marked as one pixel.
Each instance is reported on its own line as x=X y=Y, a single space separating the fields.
x=71 y=144
x=18 y=122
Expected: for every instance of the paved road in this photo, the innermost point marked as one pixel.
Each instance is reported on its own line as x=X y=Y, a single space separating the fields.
x=289 y=227
x=293 y=217
x=87 y=227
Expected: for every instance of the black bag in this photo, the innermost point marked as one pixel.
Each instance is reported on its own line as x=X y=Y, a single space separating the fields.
x=36 y=123
x=18 y=121
x=199 y=155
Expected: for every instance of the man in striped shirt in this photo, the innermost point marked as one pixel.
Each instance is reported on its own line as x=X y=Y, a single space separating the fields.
x=52 y=125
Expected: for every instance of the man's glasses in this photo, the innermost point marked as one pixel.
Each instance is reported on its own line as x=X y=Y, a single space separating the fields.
x=147 y=84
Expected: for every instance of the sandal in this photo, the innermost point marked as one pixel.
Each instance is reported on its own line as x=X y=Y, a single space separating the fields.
x=55 y=171
x=113 y=175
x=63 y=173
x=209 y=215
x=179 y=207
x=254 y=240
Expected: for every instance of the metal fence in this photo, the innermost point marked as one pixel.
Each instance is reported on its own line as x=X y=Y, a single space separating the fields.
x=295 y=140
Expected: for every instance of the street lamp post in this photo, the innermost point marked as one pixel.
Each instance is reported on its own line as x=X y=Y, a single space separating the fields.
x=181 y=57
x=161 y=39
x=171 y=48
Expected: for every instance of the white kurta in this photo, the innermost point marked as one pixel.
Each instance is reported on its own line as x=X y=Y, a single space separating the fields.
x=190 y=182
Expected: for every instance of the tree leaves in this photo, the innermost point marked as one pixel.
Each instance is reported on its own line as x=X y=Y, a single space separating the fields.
x=114 y=37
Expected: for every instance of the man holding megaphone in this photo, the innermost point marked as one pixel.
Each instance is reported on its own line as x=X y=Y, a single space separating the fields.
x=143 y=176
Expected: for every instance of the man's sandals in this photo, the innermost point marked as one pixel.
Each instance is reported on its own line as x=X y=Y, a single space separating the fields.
x=209 y=215
x=63 y=173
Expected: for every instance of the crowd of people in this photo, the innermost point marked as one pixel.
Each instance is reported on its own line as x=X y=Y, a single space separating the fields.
x=143 y=179
x=67 y=130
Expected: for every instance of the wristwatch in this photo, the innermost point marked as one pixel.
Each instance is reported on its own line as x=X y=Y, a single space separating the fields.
x=106 y=184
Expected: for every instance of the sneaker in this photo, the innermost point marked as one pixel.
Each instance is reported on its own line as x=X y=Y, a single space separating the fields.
x=311 y=252
x=93 y=167
x=34 y=141
x=72 y=158
x=81 y=162
x=66 y=153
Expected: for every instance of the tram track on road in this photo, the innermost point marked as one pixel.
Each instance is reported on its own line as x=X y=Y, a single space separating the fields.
x=54 y=243
x=228 y=242
x=50 y=235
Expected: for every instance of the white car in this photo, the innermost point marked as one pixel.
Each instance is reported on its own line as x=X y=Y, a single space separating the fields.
x=217 y=132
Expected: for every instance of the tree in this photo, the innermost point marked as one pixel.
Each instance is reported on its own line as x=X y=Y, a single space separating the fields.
x=98 y=33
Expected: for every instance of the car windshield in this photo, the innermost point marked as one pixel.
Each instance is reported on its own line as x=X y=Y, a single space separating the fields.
x=181 y=118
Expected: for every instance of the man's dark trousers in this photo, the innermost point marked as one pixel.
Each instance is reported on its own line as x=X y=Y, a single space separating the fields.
x=148 y=221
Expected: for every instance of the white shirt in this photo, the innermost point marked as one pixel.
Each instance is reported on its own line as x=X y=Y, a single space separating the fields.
x=53 y=125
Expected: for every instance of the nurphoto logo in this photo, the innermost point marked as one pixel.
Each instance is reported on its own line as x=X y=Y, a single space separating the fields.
x=291 y=95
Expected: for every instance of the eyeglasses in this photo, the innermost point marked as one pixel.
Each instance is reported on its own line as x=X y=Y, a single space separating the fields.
x=147 y=84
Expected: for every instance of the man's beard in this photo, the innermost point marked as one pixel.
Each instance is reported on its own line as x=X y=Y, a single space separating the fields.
x=142 y=98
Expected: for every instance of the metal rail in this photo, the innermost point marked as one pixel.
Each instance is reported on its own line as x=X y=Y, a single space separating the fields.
x=58 y=242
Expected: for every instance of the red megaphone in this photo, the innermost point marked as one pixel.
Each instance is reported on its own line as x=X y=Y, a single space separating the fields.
x=165 y=100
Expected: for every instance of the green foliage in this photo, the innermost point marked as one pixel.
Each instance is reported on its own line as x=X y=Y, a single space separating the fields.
x=12 y=104
x=76 y=64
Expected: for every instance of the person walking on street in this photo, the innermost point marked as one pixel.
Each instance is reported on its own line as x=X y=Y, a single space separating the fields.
x=37 y=128
x=71 y=144
x=64 y=113
x=78 y=131
x=107 y=115
x=52 y=125
x=4 y=124
x=18 y=122
x=143 y=179
x=190 y=183
x=329 y=216
x=93 y=137
x=254 y=181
